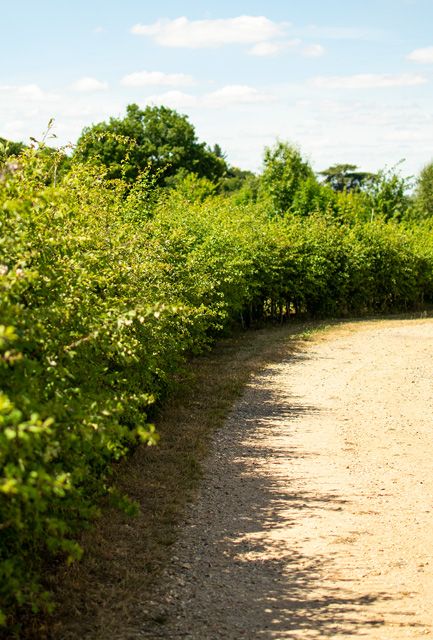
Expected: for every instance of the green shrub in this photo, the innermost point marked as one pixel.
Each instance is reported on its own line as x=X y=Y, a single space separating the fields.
x=104 y=291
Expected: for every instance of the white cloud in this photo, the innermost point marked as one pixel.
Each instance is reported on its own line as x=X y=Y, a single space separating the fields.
x=88 y=84
x=230 y=95
x=313 y=51
x=235 y=94
x=31 y=92
x=404 y=135
x=175 y=100
x=149 y=78
x=12 y=129
x=368 y=81
x=265 y=37
x=25 y=111
x=264 y=49
x=196 y=34
x=424 y=56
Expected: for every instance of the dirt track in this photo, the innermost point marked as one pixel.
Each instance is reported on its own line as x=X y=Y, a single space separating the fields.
x=316 y=515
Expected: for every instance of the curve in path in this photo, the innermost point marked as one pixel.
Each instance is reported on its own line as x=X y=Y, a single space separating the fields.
x=315 y=517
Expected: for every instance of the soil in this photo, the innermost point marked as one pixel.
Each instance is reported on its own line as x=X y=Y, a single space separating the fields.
x=315 y=515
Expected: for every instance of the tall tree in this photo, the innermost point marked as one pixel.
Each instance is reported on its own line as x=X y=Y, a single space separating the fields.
x=157 y=138
x=424 y=192
x=284 y=172
x=388 y=194
x=346 y=177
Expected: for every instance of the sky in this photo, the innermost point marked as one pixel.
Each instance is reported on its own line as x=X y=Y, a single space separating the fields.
x=345 y=81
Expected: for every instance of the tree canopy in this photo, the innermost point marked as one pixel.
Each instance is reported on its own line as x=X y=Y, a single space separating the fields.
x=10 y=148
x=346 y=177
x=154 y=138
x=284 y=172
x=424 y=192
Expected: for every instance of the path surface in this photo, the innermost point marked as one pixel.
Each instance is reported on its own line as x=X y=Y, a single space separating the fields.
x=316 y=515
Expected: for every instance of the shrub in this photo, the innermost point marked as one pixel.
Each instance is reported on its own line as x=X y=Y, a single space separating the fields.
x=106 y=289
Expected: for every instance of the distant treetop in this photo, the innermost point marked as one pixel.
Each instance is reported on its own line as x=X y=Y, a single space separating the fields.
x=345 y=177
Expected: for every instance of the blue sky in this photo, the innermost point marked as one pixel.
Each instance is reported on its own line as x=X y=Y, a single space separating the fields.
x=346 y=81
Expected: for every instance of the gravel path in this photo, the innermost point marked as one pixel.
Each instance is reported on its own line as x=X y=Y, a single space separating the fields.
x=315 y=518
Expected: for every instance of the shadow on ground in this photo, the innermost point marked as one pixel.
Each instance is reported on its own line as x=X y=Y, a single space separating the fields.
x=234 y=575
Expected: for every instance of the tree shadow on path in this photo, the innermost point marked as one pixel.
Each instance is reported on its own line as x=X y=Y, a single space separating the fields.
x=236 y=574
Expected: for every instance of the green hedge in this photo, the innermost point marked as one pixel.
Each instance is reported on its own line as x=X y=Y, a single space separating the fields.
x=102 y=296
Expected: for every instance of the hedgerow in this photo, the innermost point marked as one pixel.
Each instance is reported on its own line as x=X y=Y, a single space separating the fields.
x=106 y=290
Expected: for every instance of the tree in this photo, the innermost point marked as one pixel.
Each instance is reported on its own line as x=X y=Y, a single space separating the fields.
x=9 y=148
x=345 y=177
x=388 y=194
x=423 y=204
x=157 y=138
x=284 y=172
x=192 y=188
x=235 y=179
x=311 y=197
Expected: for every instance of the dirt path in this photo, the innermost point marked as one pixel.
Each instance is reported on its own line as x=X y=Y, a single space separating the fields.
x=316 y=515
